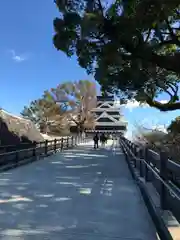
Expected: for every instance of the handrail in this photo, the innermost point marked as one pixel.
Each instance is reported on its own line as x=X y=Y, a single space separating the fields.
x=14 y=158
x=173 y=168
x=169 y=197
x=26 y=149
x=156 y=174
x=23 y=144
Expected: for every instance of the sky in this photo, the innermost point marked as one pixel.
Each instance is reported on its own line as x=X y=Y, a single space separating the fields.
x=30 y=64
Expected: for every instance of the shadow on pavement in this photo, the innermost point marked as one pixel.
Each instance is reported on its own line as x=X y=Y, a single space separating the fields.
x=66 y=195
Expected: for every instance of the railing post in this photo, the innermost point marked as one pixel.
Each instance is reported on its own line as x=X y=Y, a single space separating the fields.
x=130 y=144
x=62 y=140
x=67 y=145
x=164 y=176
x=133 y=148
x=141 y=163
x=34 y=149
x=72 y=139
x=46 y=147
x=17 y=157
x=146 y=154
x=135 y=155
x=55 y=146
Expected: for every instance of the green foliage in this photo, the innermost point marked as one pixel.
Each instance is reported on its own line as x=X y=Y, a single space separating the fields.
x=44 y=113
x=131 y=46
x=174 y=127
x=78 y=98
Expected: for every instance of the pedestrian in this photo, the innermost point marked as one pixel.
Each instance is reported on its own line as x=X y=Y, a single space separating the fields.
x=100 y=138
x=103 y=139
x=106 y=136
x=96 y=140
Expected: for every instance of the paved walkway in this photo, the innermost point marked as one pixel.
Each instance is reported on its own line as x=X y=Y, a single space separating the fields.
x=80 y=194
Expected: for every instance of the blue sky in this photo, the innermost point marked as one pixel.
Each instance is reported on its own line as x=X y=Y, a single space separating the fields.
x=30 y=64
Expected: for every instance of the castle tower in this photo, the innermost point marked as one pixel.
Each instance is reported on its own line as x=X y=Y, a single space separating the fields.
x=108 y=117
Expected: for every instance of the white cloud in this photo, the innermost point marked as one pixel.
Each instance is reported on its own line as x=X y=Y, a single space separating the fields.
x=163 y=101
x=18 y=57
x=132 y=104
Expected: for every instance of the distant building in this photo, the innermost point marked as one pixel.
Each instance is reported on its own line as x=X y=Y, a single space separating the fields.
x=108 y=118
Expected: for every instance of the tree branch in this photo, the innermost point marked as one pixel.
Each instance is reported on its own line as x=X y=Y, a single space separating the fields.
x=169 y=93
x=143 y=52
x=79 y=122
x=167 y=42
x=174 y=88
x=148 y=35
x=173 y=36
x=173 y=96
x=170 y=63
x=163 y=107
x=159 y=33
x=100 y=7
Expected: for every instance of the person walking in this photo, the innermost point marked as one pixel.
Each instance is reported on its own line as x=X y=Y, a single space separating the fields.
x=96 y=140
x=103 y=140
x=106 y=136
x=100 y=138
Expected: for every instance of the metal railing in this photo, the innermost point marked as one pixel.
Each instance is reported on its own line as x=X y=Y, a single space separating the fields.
x=158 y=169
x=15 y=158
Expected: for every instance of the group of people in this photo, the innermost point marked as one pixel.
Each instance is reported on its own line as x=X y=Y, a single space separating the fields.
x=103 y=139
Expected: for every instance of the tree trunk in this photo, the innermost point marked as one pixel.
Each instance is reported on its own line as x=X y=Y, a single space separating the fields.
x=80 y=130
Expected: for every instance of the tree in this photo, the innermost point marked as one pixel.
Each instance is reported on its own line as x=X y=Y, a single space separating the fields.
x=154 y=138
x=131 y=46
x=159 y=140
x=174 y=136
x=44 y=113
x=174 y=126
x=78 y=98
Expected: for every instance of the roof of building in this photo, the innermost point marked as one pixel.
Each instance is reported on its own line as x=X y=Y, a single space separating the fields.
x=105 y=98
x=15 y=129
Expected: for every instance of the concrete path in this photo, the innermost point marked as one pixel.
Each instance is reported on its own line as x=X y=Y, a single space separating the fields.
x=80 y=194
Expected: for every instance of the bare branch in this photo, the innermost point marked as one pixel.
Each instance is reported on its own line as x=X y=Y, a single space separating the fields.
x=173 y=36
x=174 y=87
x=148 y=35
x=100 y=7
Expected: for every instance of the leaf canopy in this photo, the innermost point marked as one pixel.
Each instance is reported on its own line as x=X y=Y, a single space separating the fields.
x=129 y=46
x=44 y=112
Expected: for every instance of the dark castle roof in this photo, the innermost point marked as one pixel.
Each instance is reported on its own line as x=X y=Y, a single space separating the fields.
x=105 y=98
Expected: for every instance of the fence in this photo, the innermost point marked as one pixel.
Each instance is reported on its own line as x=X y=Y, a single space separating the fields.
x=158 y=169
x=15 y=158
x=14 y=147
x=19 y=146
